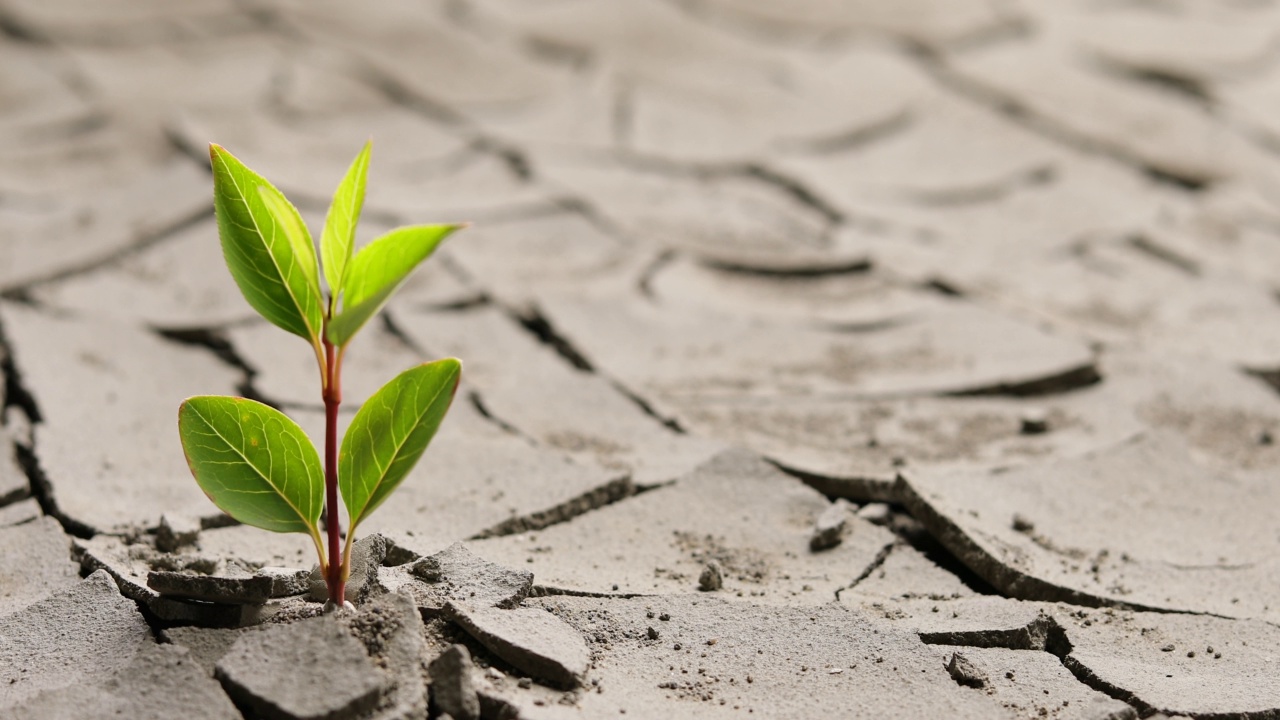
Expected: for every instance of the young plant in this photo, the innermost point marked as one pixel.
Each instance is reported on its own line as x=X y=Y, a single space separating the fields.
x=251 y=460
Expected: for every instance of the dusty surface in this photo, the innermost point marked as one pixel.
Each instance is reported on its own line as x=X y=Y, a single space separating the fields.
x=888 y=358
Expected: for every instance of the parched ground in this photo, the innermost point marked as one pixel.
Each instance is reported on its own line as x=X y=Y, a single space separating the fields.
x=862 y=358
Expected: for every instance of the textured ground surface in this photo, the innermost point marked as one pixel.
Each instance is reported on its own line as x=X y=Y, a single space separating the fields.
x=825 y=358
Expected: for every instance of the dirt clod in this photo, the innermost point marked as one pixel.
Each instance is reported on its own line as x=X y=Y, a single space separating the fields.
x=965 y=672
x=712 y=577
x=451 y=684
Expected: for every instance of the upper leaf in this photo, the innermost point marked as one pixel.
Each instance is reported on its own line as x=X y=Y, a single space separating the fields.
x=289 y=222
x=276 y=273
x=390 y=433
x=253 y=462
x=338 y=240
x=377 y=270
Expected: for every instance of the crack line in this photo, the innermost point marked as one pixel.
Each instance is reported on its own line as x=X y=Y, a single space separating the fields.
x=876 y=563
x=1012 y=108
x=140 y=244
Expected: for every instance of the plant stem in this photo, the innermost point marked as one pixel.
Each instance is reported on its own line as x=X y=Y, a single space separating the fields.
x=332 y=398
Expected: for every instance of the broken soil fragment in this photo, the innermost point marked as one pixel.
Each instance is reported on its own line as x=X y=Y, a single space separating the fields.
x=245 y=589
x=712 y=577
x=1222 y=667
x=1037 y=685
x=77 y=635
x=737 y=510
x=785 y=662
x=457 y=574
x=307 y=670
x=393 y=634
x=131 y=565
x=286 y=582
x=531 y=639
x=176 y=531
x=829 y=528
x=206 y=645
x=451 y=684
x=162 y=681
x=964 y=672
x=1105 y=543
x=35 y=561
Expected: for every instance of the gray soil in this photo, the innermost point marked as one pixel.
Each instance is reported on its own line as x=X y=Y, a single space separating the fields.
x=891 y=358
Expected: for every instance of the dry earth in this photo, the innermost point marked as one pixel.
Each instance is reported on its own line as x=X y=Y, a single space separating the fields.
x=862 y=358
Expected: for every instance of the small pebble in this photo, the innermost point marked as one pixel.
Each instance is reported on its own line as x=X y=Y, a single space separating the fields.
x=712 y=578
x=964 y=672
x=1034 y=421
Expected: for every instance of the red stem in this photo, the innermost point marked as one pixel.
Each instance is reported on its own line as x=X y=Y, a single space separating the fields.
x=332 y=397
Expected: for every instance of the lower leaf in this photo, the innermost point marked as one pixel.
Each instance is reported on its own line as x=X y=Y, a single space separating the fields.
x=254 y=463
x=390 y=432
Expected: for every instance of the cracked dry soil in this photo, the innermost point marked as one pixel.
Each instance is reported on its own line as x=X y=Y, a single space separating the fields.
x=889 y=358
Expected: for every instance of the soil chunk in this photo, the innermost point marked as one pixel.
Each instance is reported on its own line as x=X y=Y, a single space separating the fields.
x=176 y=531
x=712 y=577
x=131 y=565
x=1104 y=543
x=77 y=635
x=240 y=588
x=206 y=645
x=459 y=575
x=163 y=681
x=451 y=684
x=394 y=636
x=964 y=672
x=286 y=582
x=312 y=669
x=532 y=639
x=829 y=528
x=35 y=560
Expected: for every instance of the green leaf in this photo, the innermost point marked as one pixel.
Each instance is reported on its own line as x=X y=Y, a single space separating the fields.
x=390 y=432
x=276 y=273
x=377 y=270
x=339 y=237
x=289 y=222
x=253 y=462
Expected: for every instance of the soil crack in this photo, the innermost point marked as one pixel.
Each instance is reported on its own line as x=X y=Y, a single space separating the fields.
x=598 y=497
x=216 y=342
x=19 y=398
x=1018 y=112
x=875 y=564
x=140 y=244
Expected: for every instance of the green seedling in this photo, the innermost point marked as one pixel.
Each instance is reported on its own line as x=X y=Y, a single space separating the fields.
x=250 y=459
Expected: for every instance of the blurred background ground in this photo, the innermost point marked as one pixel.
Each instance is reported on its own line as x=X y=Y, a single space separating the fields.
x=952 y=321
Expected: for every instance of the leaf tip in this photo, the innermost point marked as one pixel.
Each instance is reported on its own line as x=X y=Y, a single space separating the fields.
x=454 y=365
x=186 y=403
